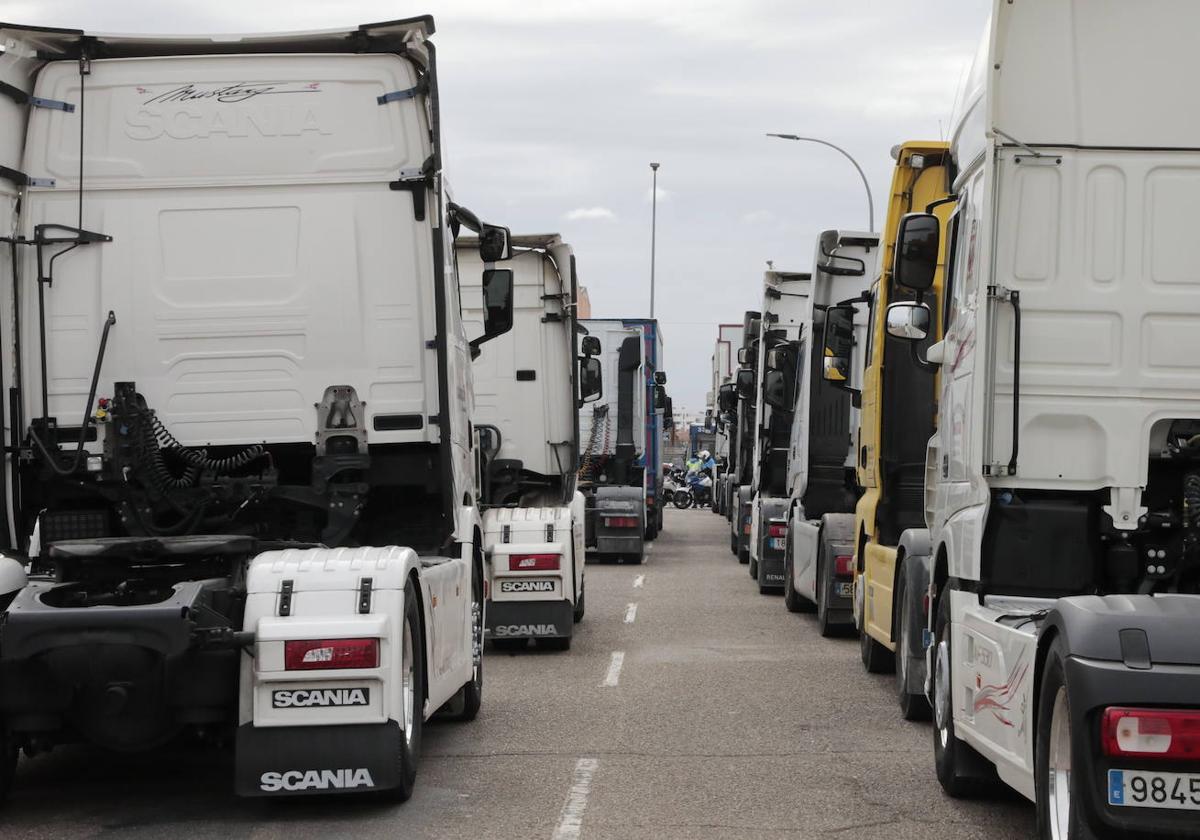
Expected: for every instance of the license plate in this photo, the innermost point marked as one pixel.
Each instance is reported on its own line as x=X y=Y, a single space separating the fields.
x=843 y=589
x=1144 y=789
x=776 y=543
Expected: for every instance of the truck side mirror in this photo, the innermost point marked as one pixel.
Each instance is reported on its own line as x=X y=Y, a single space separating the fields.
x=660 y=398
x=660 y=377
x=727 y=398
x=917 y=243
x=591 y=383
x=838 y=344
x=590 y=345
x=495 y=243
x=745 y=383
x=497 y=305
x=776 y=390
x=909 y=321
x=746 y=356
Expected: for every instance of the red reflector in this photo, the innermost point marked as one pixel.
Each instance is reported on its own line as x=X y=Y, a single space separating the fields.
x=843 y=565
x=1151 y=733
x=777 y=530
x=321 y=654
x=533 y=562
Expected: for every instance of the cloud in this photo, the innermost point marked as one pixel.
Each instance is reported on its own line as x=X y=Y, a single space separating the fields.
x=757 y=217
x=590 y=213
x=663 y=194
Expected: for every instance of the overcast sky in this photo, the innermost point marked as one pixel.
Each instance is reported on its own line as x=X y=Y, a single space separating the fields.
x=553 y=110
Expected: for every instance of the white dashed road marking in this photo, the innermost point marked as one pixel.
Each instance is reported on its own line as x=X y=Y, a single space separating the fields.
x=570 y=819
x=638 y=581
x=613 y=677
x=630 y=613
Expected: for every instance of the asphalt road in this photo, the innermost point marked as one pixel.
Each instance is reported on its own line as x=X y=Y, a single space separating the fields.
x=728 y=717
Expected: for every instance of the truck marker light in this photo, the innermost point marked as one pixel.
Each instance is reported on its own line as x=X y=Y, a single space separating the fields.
x=776 y=529
x=533 y=563
x=1151 y=733
x=843 y=565
x=329 y=654
x=620 y=522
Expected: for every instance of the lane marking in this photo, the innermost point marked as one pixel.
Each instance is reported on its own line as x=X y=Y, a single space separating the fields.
x=630 y=613
x=614 y=668
x=570 y=819
x=638 y=581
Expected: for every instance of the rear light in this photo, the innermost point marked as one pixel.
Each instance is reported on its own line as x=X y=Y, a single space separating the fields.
x=621 y=522
x=323 y=654
x=843 y=565
x=533 y=562
x=746 y=523
x=1151 y=733
x=777 y=530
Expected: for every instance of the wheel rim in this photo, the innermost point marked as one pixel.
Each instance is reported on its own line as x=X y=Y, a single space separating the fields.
x=941 y=693
x=1058 y=777
x=408 y=680
x=476 y=639
x=903 y=648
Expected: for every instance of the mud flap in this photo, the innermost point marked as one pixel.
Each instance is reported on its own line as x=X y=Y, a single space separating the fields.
x=307 y=760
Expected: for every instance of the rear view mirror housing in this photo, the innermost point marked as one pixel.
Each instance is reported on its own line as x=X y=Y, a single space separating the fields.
x=727 y=398
x=745 y=383
x=495 y=243
x=776 y=391
x=917 y=244
x=497 y=305
x=660 y=377
x=591 y=382
x=660 y=398
x=590 y=345
x=747 y=357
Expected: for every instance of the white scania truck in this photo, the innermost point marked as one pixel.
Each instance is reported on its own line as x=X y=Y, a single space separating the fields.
x=528 y=390
x=785 y=305
x=823 y=451
x=239 y=491
x=1063 y=485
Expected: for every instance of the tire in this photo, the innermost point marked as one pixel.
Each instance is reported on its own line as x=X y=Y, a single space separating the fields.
x=753 y=565
x=876 y=659
x=743 y=555
x=580 y=605
x=8 y=761
x=412 y=675
x=635 y=559
x=961 y=771
x=791 y=598
x=682 y=499
x=651 y=530
x=1060 y=804
x=470 y=697
x=733 y=547
x=912 y=706
x=824 y=622
x=556 y=643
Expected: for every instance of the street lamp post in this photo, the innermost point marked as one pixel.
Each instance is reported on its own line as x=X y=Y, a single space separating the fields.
x=653 y=229
x=849 y=157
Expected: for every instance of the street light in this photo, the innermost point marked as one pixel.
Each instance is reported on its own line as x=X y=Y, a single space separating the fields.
x=653 y=230
x=870 y=199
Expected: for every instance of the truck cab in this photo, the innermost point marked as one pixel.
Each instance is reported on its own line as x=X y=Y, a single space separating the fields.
x=529 y=386
x=240 y=445
x=741 y=442
x=822 y=450
x=785 y=303
x=899 y=413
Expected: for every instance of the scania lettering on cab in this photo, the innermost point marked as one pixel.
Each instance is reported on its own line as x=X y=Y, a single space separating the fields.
x=1064 y=480
x=822 y=492
x=240 y=493
x=528 y=390
x=785 y=303
x=899 y=404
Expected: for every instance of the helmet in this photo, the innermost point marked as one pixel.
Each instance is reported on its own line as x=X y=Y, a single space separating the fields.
x=704 y=456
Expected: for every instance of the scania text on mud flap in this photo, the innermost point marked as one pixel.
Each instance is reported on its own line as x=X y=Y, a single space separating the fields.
x=258 y=392
x=1062 y=488
x=529 y=387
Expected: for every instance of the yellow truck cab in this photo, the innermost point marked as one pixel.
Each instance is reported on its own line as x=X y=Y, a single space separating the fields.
x=899 y=409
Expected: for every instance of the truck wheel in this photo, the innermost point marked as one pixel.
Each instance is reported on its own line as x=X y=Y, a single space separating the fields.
x=651 y=530
x=962 y=772
x=875 y=657
x=912 y=706
x=792 y=599
x=469 y=698
x=412 y=675
x=577 y=616
x=635 y=559
x=743 y=554
x=556 y=643
x=753 y=565
x=733 y=546
x=824 y=623
x=8 y=761
x=1060 y=806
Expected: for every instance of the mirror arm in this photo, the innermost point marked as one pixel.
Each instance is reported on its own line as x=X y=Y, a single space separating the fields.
x=922 y=364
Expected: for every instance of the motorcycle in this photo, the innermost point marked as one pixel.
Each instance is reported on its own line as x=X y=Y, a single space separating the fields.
x=696 y=490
